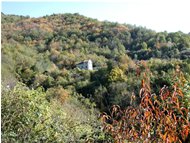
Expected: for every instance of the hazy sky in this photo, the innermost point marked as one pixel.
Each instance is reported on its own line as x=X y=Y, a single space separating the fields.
x=159 y=15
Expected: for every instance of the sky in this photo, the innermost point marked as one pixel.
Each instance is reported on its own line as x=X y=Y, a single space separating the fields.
x=158 y=15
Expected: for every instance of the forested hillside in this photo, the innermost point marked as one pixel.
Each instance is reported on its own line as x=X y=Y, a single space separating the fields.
x=54 y=101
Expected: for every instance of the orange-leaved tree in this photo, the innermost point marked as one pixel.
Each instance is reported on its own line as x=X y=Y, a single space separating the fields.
x=158 y=119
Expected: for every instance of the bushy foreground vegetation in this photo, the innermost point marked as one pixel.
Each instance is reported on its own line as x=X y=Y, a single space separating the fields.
x=27 y=116
x=45 y=98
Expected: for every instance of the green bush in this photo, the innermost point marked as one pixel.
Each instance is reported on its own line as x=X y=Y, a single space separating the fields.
x=27 y=116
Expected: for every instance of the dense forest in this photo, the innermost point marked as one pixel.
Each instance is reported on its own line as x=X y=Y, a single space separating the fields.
x=138 y=75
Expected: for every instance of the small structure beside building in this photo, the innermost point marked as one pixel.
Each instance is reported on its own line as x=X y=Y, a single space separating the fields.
x=86 y=65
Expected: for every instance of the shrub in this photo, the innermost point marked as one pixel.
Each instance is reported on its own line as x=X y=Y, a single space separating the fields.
x=25 y=116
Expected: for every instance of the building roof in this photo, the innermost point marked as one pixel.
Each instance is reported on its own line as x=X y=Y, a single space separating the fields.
x=85 y=61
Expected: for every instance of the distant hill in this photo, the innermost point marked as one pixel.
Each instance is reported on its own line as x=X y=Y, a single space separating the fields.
x=66 y=39
x=63 y=32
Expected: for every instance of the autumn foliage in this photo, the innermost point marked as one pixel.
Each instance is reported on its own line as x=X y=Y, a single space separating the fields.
x=158 y=119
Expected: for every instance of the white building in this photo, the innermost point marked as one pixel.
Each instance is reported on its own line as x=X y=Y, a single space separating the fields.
x=87 y=65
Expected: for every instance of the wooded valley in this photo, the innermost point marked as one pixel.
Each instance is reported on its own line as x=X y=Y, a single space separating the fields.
x=138 y=90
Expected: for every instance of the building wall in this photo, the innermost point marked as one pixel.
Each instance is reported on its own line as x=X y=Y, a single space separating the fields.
x=86 y=65
x=90 y=67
